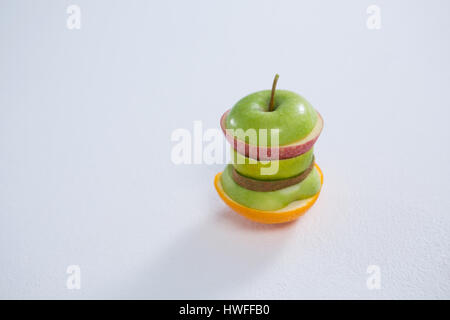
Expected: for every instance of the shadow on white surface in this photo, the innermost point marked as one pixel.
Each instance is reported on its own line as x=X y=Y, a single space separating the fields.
x=224 y=252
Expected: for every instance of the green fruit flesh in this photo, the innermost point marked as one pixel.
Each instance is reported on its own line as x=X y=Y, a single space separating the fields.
x=293 y=116
x=286 y=168
x=271 y=200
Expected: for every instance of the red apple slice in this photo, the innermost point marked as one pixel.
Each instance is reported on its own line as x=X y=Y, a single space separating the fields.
x=270 y=153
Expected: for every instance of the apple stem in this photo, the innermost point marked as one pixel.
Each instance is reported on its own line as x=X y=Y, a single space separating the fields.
x=272 y=97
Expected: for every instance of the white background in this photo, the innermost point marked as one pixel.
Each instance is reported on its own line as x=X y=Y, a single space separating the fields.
x=86 y=176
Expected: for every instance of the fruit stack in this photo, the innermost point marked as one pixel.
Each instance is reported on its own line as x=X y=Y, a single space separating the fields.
x=272 y=177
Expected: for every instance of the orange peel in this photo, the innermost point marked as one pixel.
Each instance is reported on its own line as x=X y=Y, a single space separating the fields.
x=289 y=213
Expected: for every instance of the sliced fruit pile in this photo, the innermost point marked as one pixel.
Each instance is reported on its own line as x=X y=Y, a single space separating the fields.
x=271 y=182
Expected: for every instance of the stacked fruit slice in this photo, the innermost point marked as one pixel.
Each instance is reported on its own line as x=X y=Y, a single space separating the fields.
x=273 y=177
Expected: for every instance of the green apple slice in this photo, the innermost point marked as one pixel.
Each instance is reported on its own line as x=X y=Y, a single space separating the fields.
x=271 y=200
x=286 y=168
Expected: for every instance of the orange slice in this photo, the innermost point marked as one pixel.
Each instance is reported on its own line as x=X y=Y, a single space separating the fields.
x=289 y=213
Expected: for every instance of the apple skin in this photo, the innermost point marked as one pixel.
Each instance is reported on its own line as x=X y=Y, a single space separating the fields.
x=271 y=200
x=286 y=168
x=273 y=153
x=293 y=115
